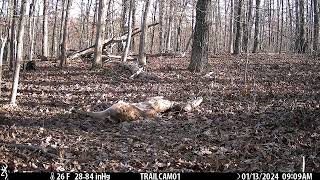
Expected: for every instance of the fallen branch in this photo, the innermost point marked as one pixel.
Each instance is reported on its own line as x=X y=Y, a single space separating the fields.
x=106 y=43
x=116 y=57
x=124 y=111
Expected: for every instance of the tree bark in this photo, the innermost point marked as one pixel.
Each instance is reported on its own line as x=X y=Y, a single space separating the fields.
x=142 y=46
x=19 y=53
x=315 y=26
x=127 y=48
x=13 y=34
x=256 y=28
x=199 y=56
x=3 y=43
x=301 y=48
x=99 y=35
x=45 y=29
x=63 y=61
x=238 y=28
x=31 y=28
x=169 y=32
x=161 y=25
x=63 y=14
x=53 y=40
x=230 y=48
x=247 y=28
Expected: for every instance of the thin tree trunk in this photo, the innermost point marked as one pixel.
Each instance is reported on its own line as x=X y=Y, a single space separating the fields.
x=99 y=35
x=230 y=49
x=63 y=10
x=247 y=28
x=301 y=28
x=161 y=25
x=281 y=29
x=19 y=53
x=290 y=24
x=123 y=23
x=87 y=24
x=238 y=28
x=3 y=44
x=13 y=34
x=143 y=35
x=45 y=29
x=132 y=47
x=95 y=12
x=315 y=26
x=169 y=32
x=192 y=28
x=127 y=48
x=31 y=29
x=63 y=61
x=153 y=29
x=54 y=41
x=256 y=28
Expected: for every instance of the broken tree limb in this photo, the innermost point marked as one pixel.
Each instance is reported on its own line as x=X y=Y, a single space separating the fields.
x=150 y=108
x=110 y=56
x=106 y=43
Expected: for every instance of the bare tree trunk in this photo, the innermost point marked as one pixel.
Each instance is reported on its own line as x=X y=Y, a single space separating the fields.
x=63 y=10
x=45 y=29
x=133 y=25
x=199 y=56
x=247 y=28
x=256 y=28
x=192 y=27
x=169 y=32
x=19 y=53
x=153 y=29
x=3 y=44
x=297 y=27
x=290 y=24
x=301 y=28
x=238 y=28
x=99 y=35
x=31 y=29
x=230 y=49
x=143 y=35
x=315 y=26
x=63 y=61
x=127 y=48
x=281 y=30
x=13 y=34
x=94 y=22
x=54 y=41
x=82 y=25
x=161 y=25
x=123 y=23
x=87 y=24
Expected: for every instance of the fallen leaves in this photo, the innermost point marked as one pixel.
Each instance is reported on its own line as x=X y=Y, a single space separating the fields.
x=266 y=125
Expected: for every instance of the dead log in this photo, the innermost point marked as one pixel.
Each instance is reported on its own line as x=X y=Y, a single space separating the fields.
x=106 y=42
x=125 y=111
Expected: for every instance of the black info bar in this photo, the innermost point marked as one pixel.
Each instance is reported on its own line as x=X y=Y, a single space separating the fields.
x=160 y=176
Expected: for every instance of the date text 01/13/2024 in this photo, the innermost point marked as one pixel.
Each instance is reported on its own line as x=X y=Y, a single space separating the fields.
x=275 y=176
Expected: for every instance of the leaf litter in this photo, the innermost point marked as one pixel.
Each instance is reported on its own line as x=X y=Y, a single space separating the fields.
x=267 y=124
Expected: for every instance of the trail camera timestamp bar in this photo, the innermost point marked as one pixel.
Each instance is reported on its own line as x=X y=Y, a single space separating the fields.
x=157 y=176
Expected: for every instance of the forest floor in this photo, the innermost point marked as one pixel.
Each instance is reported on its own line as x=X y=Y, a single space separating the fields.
x=267 y=125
